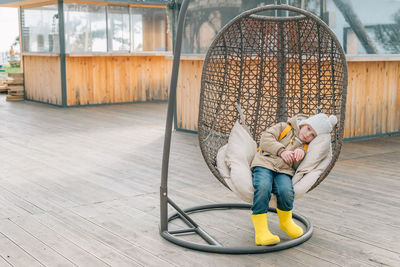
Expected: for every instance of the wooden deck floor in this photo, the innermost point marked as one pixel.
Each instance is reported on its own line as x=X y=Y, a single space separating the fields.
x=80 y=186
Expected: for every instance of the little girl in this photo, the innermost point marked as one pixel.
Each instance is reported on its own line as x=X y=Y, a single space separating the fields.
x=282 y=148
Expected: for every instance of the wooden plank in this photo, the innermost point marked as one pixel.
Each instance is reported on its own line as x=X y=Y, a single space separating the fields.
x=20 y=205
x=189 y=93
x=393 y=113
x=4 y=263
x=373 y=102
x=85 y=178
x=43 y=79
x=36 y=194
x=146 y=238
x=76 y=247
x=114 y=79
x=357 y=253
x=10 y=209
x=99 y=81
x=70 y=250
x=15 y=97
x=362 y=232
x=15 y=88
x=73 y=222
x=232 y=229
x=239 y=227
x=38 y=250
x=14 y=255
x=16 y=82
x=350 y=104
x=16 y=76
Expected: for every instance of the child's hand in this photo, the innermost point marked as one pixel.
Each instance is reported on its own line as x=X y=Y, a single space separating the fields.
x=298 y=154
x=287 y=156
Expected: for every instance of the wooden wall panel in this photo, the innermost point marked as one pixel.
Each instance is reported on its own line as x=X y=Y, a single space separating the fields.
x=188 y=93
x=373 y=100
x=43 y=79
x=117 y=79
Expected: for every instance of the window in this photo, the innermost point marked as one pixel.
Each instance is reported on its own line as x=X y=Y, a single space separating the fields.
x=149 y=29
x=118 y=28
x=40 y=29
x=361 y=26
x=85 y=28
x=373 y=29
x=91 y=28
x=137 y=32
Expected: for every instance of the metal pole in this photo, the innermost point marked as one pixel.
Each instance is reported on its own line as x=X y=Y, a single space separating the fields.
x=281 y=112
x=108 y=46
x=61 y=34
x=170 y=116
x=322 y=11
x=21 y=44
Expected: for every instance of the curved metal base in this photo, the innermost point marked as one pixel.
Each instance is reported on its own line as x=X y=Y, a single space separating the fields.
x=217 y=248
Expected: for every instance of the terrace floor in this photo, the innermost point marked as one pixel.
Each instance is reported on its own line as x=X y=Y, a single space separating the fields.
x=80 y=187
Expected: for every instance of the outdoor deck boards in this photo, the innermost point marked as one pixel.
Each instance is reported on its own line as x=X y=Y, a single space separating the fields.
x=80 y=186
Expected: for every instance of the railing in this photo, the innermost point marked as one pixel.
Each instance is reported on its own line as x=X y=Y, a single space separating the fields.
x=4 y=58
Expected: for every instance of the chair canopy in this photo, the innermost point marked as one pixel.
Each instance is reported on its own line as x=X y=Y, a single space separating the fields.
x=274 y=67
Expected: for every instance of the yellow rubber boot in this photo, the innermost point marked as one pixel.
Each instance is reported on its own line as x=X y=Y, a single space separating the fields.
x=288 y=225
x=263 y=235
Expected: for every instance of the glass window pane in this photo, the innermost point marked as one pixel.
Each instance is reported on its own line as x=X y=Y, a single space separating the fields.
x=40 y=29
x=361 y=26
x=85 y=28
x=137 y=32
x=118 y=28
x=204 y=19
x=366 y=26
x=149 y=29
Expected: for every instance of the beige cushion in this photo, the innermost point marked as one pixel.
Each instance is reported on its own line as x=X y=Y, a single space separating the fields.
x=224 y=169
x=241 y=146
x=317 y=159
x=233 y=162
x=234 y=158
x=221 y=164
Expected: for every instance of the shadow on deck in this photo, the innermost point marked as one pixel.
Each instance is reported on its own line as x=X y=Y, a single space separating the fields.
x=80 y=186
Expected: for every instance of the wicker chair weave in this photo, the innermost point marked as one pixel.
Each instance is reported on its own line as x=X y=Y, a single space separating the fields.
x=274 y=67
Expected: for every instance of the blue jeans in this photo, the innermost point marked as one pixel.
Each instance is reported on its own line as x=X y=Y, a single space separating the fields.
x=266 y=181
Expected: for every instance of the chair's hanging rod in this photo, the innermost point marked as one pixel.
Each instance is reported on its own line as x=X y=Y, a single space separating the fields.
x=170 y=116
x=277 y=12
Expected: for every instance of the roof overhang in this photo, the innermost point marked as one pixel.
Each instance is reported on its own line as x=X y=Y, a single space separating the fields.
x=14 y=3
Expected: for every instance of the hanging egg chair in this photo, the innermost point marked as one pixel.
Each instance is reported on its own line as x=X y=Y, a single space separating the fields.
x=274 y=67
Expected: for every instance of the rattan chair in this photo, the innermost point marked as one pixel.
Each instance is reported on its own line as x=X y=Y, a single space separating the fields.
x=274 y=67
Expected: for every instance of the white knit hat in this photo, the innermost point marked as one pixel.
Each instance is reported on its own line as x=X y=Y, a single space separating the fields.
x=321 y=123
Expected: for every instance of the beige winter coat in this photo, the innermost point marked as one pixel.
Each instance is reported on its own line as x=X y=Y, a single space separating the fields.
x=269 y=154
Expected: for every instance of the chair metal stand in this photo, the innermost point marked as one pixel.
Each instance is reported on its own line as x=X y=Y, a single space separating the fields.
x=213 y=245
x=172 y=236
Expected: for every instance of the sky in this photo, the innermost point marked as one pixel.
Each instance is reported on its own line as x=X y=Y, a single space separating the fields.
x=8 y=27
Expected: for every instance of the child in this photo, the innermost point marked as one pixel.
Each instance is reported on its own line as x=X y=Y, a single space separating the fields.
x=281 y=151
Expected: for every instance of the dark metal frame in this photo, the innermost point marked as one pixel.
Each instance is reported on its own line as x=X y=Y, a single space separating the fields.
x=20 y=43
x=63 y=70
x=212 y=244
x=183 y=214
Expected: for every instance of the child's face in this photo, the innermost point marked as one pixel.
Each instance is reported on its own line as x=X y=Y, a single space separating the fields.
x=307 y=133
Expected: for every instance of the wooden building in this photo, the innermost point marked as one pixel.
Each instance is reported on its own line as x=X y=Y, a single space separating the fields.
x=85 y=52
x=94 y=52
x=373 y=94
